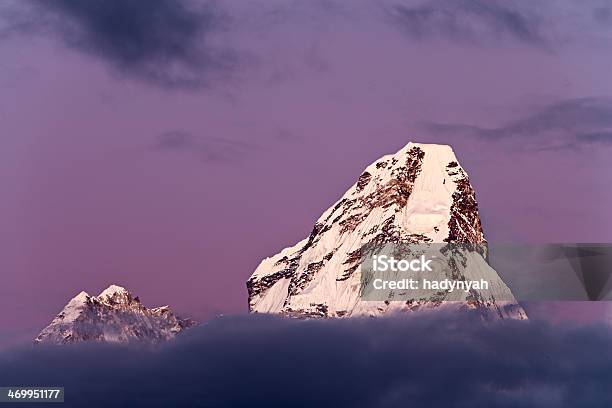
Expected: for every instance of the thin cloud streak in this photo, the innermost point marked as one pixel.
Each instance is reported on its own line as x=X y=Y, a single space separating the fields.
x=567 y=123
x=471 y=21
x=208 y=149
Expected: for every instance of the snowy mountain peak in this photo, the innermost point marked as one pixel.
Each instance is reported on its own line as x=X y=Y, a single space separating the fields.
x=81 y=297
x=117 y=294
x=112 y=316
x=74 y=307
x=419 y=195
x=112 y=289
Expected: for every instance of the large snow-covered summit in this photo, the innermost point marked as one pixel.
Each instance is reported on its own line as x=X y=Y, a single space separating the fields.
x=419 y=195
x=113 y=316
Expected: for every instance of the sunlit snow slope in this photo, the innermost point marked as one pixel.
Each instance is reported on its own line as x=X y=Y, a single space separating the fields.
x=417 y=195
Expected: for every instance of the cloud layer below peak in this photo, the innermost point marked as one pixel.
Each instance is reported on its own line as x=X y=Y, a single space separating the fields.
x=429 y=360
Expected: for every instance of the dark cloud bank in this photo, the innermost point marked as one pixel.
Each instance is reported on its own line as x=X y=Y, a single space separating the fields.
x=429 y=361
x=166 y=42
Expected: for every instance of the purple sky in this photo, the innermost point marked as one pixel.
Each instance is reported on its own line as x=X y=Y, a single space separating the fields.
x=171 y=154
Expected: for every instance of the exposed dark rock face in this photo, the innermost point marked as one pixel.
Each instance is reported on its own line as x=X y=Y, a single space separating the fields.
x=464 y=225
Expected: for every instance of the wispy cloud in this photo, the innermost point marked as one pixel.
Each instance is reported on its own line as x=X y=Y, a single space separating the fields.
x=538 y=24
x=472 y=21
x=565 y=123
x=595 y=137
x=208 y=149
